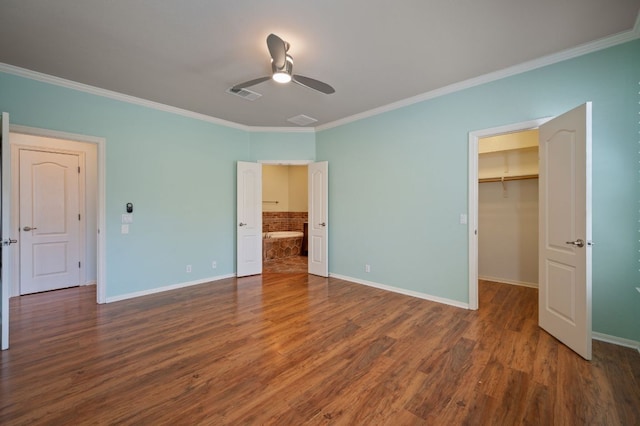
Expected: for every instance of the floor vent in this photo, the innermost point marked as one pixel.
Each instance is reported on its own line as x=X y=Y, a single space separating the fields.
x=302 y=120
x=244 y=94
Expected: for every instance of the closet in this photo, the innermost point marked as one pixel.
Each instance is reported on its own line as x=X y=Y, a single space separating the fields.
x=508 y=208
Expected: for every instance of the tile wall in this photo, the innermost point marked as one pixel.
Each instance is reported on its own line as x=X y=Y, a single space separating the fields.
x=283 y=221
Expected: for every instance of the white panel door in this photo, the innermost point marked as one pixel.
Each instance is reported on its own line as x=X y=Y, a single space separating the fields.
x=565 y=229
x=5 y=268
x=49 y=221
x=318 y=218
x=249 y=220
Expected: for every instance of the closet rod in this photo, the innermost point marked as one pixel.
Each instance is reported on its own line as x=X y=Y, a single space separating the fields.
x=271 y=202
x=506 y=178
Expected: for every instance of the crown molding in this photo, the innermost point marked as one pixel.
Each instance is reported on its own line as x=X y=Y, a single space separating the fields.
x=265 y=129
x=564 y=55
x=57 y=81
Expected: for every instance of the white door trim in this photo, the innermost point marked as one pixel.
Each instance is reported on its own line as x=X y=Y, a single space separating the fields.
x=6 y=228
x=101 y=282
x=473 y=195
x=286 y=162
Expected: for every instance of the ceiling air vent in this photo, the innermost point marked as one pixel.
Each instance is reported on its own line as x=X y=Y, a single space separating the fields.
x=302 y=120
x=244 y=94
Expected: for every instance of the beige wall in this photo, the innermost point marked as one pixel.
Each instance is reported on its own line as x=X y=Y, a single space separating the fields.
x=285 y=184
x=519 y=140
x=298 y=199
x=508 y=232
x=275 y=187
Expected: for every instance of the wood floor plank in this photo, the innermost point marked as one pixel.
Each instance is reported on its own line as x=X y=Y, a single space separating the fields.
x=299 y=349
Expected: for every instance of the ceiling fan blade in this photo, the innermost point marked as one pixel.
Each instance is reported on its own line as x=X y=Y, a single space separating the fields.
x=249 y=83
x=312 y=83
x=277 y=50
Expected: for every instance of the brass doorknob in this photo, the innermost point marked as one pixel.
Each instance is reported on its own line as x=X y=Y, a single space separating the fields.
x=28 y=228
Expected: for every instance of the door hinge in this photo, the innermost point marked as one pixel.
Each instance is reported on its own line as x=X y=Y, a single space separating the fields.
x=79 y=265
x=78 y=216
x=78 y=169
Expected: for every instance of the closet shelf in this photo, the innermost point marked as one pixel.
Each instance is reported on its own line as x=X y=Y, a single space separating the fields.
x=507 y=178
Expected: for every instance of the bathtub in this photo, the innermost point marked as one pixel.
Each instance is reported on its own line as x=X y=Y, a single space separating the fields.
x=282 y=234
x=281 y=244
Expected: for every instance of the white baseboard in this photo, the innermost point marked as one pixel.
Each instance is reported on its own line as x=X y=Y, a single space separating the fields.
x=507 y=281
x=620 y=341
x=412 y=293
x=167 y=288
x=90 y=283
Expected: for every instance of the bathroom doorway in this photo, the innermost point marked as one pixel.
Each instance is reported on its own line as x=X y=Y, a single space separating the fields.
x=285 y=218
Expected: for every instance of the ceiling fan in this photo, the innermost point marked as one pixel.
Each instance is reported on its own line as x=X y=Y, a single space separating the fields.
x=282 y=68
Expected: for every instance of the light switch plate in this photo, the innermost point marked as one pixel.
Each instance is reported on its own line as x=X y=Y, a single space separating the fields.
x=463 y=219
x=127 y=218
x=124 y=229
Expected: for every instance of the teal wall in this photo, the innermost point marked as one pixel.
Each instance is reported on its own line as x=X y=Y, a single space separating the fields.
x=398 y=181
x=178 y=172
x=282 y=146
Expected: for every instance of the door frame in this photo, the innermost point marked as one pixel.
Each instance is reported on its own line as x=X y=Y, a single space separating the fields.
x=474 y=138
x=101 y=283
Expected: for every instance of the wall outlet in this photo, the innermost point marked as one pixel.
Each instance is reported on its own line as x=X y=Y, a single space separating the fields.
x=367 y=268
x=188 y=268
x=214 y=264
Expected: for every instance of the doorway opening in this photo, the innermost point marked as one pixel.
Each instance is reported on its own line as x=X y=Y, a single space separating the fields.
x=508 y=208
x=250 y=231
x=503 y=200
x=86 y=211
x=285 y=218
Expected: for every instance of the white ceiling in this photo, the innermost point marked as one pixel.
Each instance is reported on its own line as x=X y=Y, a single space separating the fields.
x=187 y=53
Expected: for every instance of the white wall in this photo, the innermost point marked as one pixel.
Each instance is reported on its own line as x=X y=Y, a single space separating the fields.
x=508 y=232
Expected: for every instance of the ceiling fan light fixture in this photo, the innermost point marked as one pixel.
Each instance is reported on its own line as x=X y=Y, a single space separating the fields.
x=283 y=75
x=282 y=70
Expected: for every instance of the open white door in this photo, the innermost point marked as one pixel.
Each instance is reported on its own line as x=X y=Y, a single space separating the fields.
x=249 y=220
x=565 y=229
x=318 y=218
x=5 y=274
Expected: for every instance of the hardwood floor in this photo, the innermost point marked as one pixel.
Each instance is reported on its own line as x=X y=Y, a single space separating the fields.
x=297 y=349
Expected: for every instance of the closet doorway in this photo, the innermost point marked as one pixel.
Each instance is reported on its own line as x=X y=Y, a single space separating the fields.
x=508 y=208
x=496 y=165
x=564 y=229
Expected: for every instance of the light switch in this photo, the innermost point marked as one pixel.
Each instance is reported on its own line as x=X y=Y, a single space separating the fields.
x=127 y=218
x=463 y=219
x=124 y=229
